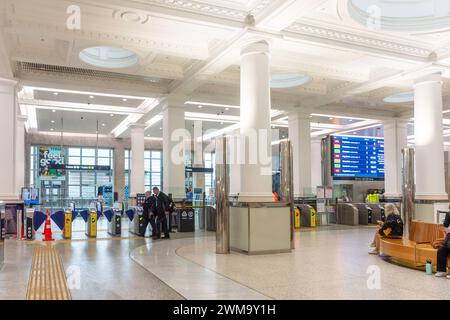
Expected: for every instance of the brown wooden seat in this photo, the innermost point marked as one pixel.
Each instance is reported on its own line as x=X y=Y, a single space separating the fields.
x=416 y=250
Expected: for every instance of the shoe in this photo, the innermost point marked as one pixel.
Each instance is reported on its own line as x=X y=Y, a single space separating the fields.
x=440 y=274
x=374 y=251
x=167 y=236
x=448 y=276
x=373 y=245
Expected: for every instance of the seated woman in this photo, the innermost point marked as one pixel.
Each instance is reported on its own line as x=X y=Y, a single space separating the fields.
x=444 y=250
x=392 y=227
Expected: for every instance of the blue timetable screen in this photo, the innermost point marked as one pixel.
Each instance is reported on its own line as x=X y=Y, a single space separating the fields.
x=357 y=158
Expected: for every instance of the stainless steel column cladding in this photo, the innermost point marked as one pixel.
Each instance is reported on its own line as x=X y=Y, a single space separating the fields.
x=408 y=189
x=222 y=203
x=287 y=181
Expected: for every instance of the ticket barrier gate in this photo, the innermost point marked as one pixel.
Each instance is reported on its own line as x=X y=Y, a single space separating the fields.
x=307 y=216
x=137 y=223
x=2 y=234
x=114 y=218
x=29 y=223
x=91 y=224
x=67 y=230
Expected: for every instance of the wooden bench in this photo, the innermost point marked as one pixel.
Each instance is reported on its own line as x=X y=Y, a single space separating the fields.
x=416 y=250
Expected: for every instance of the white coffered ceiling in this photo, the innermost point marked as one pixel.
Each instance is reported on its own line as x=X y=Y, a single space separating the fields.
x=189 y=51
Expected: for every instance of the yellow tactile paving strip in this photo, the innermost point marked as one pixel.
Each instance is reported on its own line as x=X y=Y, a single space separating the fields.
x=47 y=278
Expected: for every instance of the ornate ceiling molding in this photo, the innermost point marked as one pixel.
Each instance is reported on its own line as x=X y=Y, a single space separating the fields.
x=358 y=40
x=209 y=9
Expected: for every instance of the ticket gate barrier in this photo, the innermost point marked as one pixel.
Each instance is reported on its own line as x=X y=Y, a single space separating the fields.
x=307 y=216
x=138 y=225
x=67 y=230
x=114 y=222
x=29 y=223
x=91 y=224
x=2 y=223
x=297 y=218
x=369 y=215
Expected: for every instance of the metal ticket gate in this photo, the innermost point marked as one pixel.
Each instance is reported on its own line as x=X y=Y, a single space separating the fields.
x=114 y=222
x=2 y=234
x=138 y=225
x=67 y=230
x=29 y=223
x=91 y=224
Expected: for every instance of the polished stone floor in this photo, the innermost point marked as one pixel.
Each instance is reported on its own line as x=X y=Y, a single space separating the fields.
x=329 y=263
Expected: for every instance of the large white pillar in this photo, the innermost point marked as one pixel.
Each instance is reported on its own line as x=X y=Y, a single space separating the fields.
x=430 y=172
x=198 y=161
x=256 y=173
x=316 y=164
x=137 y=179
x=300 y=136
x=20 y=153
x=174 y=135
x=8 y=189
x=395 y=140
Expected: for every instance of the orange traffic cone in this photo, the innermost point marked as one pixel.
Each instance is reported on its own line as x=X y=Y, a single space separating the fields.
x=48 y=229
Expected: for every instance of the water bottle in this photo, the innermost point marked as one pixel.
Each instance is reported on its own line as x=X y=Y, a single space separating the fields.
x=429 y=268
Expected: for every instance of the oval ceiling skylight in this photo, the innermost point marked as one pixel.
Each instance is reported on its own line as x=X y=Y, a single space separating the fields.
x=401 y=15
x=108 y=57
x=288 y=80
x=400 y=98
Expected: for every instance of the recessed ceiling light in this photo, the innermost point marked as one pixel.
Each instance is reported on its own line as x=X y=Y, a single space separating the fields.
x=124 y=100
x=53 y=121
x=91 y=97
x=96 y=131
x=354 y=132
x=53 y=110
x=227 y=109
x=51 y=129
x=111 y=115
x=55 y=93
x=200 y=107
x=221 y=123
x=103 y=124
x=331 y=118
x=160 y=128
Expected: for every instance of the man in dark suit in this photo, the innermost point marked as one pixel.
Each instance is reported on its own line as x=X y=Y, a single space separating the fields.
x=149 y=215
x=160 y=205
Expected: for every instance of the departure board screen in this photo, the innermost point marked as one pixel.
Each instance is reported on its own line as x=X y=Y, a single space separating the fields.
x=357 y=158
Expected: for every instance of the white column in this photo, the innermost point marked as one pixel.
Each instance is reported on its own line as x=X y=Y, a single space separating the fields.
x=256 y=173
x=197 y=143
x=316 y=164
x=8 y=190
x=174 y=135
x=395 y=139
x=137 y=179
x=20 y=153
x=430 y=172
x=300 y=136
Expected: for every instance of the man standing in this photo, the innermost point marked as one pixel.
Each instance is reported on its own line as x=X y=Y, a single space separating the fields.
x=160 y=205
x=149 y=215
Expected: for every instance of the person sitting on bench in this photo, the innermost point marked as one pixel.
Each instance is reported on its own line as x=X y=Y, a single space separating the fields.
x=444 y=250
x=392 y=227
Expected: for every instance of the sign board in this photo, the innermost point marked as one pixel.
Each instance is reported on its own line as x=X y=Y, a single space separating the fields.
x=49 y=158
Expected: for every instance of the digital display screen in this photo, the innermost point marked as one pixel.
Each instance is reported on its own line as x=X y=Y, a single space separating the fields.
x=30 y=195
x=357 y=158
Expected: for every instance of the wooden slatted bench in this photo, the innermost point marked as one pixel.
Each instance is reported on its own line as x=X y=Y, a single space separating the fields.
x=416 y=250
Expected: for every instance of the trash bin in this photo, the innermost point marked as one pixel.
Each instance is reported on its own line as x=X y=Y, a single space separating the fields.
x=186 y=220
x=67 y=230
x=91 y=224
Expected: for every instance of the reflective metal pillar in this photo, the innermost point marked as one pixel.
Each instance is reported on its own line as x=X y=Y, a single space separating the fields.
x=408 y=189
x=287 y=180
x=222 y=204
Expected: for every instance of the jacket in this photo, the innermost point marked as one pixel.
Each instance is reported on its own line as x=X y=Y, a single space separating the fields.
x=392 y=227
x=160 y=204
x=148 y=207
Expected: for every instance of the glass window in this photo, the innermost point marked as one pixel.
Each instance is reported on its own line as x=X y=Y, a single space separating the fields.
x=76 y=152
x=74 y=160
x=88 y=161
x=88 y=152
x=152 y=168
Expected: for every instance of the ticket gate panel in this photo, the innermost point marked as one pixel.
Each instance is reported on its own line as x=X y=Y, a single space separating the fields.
x=2 y=223
x=91 y=224
x=115 y=224
x=67 y=230
x=138 y=225
x=28 y=223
